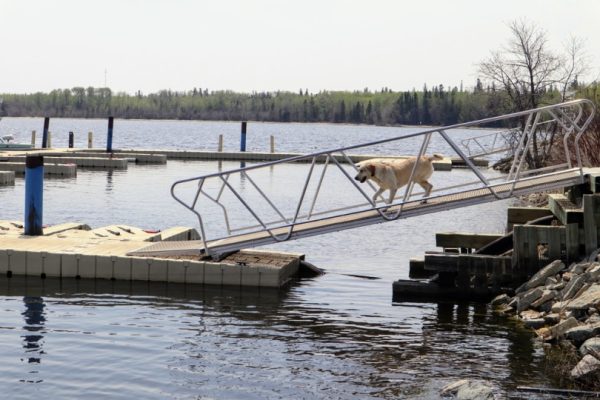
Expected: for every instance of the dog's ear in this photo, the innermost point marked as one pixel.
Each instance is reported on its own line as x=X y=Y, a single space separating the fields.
x=371 y=169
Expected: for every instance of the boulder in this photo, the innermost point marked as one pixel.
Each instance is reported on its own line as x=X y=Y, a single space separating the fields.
x=559 y=306
x=580 y=268
x=552 y=319
x=466 y=389
x=591 y=345
x=525 y=299
x=572 y=287
x=589 y=298
x=540 y=277
x=547 y=295
x=501 y=299
x=583 y=332
x=587 y=365
x=534 y=323
x=593 y=273
x=550 y=281
x=558 y=330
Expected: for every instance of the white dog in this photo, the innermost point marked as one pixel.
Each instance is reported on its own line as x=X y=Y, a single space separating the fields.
x=393 y=173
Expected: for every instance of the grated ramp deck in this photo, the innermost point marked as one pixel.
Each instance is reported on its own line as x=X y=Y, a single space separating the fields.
x=363 y=218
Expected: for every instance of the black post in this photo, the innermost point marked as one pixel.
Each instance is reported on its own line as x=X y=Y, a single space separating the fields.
x=45 y=132
x=110 y=135
x=243 y=137
x=71 y=139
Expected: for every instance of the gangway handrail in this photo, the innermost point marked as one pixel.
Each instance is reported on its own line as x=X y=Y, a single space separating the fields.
x=560 y=114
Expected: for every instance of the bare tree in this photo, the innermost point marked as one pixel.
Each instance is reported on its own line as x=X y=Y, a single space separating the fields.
x=526 y=69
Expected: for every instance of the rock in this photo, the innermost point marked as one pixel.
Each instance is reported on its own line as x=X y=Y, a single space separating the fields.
x=572 y=287
x=544 y=333
x=530 y=314
x=466 y=389
x=552 y=319
x=558 y=330
x=593 y=319
x=540 y=277
x=583 y=332
x=534 y=323
x=593 y=273
x=580 y=268
x=525 y=299
x=558 y=286
x=566 y=277
x=505 y=309
x=587 y=365
x=589 y=298
x=550 y=281
x=547 y=295
x=591 y=345
x=559 y=306
x=501 y=299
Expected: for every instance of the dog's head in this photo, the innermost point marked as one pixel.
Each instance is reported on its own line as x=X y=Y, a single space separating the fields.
x=365 y=171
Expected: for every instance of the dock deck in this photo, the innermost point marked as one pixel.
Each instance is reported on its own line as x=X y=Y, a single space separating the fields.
x=75 y=251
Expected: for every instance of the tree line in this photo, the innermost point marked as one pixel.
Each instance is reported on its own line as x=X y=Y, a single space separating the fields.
x=429 y=106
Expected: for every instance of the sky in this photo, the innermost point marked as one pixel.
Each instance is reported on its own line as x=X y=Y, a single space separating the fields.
x=268 y=45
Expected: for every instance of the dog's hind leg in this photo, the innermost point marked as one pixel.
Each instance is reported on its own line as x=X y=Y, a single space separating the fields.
x=427 y=187
x=392 y=195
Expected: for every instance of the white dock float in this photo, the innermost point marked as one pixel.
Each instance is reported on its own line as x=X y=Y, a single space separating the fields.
x=7 y=178
x=76 y=252
x=438 y=165
x=83 y=162
x=54 y=170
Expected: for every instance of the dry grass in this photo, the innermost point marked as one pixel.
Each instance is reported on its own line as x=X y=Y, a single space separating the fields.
x=560 y=360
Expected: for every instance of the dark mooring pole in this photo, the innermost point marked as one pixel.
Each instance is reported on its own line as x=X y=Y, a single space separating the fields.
x=71 y=139
x=45 y=132
x=34 y=194
x=243 y=137
x=109 y=136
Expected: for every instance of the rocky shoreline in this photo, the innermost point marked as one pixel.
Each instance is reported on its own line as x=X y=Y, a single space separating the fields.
x=562 y=303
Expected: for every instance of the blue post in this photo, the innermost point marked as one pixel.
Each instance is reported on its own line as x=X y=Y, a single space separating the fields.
x=243 y=137
x=34 y=194
x=110 y=134
x=45 y=132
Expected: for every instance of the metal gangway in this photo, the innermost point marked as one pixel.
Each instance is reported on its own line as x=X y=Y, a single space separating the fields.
x=316 y=193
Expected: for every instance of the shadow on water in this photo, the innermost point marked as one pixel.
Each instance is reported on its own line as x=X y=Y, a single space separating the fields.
x=362 y=355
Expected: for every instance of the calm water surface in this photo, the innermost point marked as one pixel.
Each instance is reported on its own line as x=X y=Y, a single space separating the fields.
x=330 y=337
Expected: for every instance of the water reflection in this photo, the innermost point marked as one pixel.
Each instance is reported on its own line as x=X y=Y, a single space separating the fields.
x=33 y=340
x=228 y=339
x=109 y=181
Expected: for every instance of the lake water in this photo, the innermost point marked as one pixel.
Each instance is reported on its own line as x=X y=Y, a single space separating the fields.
x=330 y=337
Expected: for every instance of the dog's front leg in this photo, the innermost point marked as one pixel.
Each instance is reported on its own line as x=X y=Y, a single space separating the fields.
x=377 y=194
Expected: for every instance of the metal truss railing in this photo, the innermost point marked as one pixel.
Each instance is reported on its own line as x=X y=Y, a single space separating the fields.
x=524 y=136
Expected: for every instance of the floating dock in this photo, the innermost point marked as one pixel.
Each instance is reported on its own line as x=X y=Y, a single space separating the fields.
x=73 y=250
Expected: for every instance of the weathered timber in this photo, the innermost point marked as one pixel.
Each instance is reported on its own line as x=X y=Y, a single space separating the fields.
x=464 y=240
x=417 y=269
x=522 y=215
x=419 y=290
x=535 y=245
x=564 y=210
x=591 y=221
x=593 y=180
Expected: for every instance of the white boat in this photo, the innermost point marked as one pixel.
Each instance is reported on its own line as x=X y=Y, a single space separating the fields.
x=8 y=141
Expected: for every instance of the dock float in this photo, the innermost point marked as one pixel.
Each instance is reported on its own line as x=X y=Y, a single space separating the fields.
x=53 y=170
x=74 y=250
x=439 y=165
x=7 y=178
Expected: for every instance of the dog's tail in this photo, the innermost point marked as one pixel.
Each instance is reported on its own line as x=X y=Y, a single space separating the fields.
x=435 y=156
